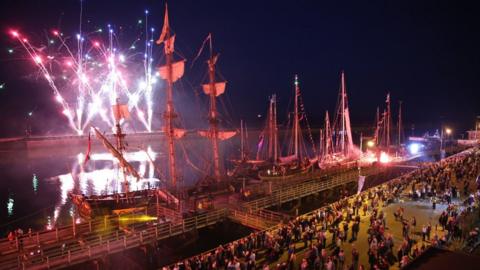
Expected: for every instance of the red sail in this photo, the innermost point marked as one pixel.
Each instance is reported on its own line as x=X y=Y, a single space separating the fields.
x=222 y=135
x=219 y=88
x=177 y=71
x=120 y=111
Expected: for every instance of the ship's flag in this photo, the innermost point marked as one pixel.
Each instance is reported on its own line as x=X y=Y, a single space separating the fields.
x=120 y=111
x=89 y=147
x=166 y=27
x=361 y=182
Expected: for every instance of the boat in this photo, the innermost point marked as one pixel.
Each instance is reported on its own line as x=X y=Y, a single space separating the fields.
x=298 y=162
x=336 y=144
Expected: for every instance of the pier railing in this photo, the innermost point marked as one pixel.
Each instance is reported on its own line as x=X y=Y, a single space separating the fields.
x=60 y=247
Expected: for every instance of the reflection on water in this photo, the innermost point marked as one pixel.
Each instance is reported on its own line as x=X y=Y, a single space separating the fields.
x=35 y=184
x=10 y=203
x=102 y=175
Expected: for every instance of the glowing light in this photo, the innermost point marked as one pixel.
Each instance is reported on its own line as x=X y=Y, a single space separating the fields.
x=448 y=131
x=10 y=204
x=414 y=148
x=141 y=218
x=67 y=112
x=2 y=86
x=384 y=158
x=96 y=44
x=10 y=51
x=140 y=114
x=370 y=143
x=35 y=183
x=55 y=32
x=37 y=59
x=14 y=33
x=121 y=57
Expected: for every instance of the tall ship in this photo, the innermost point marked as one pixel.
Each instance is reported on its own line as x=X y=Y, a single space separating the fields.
x=298 y=161
x=172 y=193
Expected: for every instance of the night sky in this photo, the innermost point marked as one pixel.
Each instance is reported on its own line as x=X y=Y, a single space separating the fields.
x=426 y=53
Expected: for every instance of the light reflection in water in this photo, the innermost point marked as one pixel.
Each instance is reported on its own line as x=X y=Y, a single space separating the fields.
x=35 y=183
x=91 y=180
x=10 y=204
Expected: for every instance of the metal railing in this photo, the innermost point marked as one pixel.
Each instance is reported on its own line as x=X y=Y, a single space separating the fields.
x=94 y=240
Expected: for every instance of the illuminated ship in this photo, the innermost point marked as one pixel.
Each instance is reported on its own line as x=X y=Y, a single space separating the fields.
x=298 y=162
x=90 y=205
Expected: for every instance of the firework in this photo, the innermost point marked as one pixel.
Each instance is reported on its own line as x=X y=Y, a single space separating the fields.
x=89 y=72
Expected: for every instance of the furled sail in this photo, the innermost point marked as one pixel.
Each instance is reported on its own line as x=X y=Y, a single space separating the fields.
x=219 y=88
x=222 y=135
x=349 y=130
x=123 y=162
x=120 y=111
x=178 y=69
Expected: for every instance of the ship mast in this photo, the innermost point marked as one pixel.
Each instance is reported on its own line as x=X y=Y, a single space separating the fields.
x=342 y=142
x=119 y=135
x=275 y=130
x=296 y=120
x=171 y=72
x=399 y=123
x=388 y=120
x=272 y=129
x=242 y=143
x=328 y=135
x=213 y=113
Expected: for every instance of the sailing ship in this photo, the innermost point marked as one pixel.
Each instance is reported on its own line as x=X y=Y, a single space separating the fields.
x=298 y=163
x=213 y=89
x=171 y=72
x=336 y=143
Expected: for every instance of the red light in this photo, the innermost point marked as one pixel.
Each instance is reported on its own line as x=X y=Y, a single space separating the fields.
x=55 y=32
x=96 y=44
x=14 y=33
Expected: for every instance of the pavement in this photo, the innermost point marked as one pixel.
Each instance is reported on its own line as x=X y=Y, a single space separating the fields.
x=421 y=210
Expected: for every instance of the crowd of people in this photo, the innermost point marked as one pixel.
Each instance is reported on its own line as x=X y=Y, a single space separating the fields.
x=318 y=240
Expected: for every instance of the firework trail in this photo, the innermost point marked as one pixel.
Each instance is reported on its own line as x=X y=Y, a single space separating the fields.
x=88 y=80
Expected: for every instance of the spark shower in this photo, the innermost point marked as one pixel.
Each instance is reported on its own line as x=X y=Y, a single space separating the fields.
x=90 y=72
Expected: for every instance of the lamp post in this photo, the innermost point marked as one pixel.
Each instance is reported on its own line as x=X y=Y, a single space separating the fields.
x=448 y=131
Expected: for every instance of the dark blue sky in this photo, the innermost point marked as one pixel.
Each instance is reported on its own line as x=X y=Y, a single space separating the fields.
x=425 y=53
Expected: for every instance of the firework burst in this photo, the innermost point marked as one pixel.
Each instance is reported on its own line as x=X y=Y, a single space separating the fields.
x=90 y=72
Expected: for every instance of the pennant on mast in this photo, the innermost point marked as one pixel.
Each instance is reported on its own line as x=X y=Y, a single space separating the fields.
x=165 y=28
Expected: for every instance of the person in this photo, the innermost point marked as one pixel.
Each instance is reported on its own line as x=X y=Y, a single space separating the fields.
x=355 y=257
x=11 y=237
x=424 y=232
x=413 y=223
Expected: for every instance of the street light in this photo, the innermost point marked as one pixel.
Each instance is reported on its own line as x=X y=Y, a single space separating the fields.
x=442 y=150
x=370 y=143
